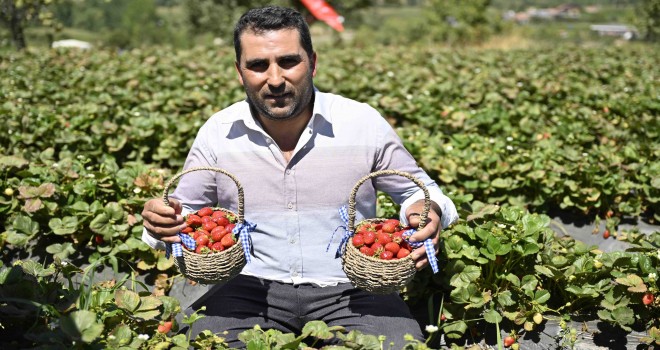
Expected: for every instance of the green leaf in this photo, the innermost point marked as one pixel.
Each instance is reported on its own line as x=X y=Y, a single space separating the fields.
x=25 y=225
x=122 y=336
x=101 y=224
x=64 y=226
x=469 y=274
x=492 y=316
x=542 y=270
x=35 y=269
x=454 y=330
x=61 y=251
x=127 y=300
x=149 y=302
x=81 y=325
x=541 y=296
x=13 y=161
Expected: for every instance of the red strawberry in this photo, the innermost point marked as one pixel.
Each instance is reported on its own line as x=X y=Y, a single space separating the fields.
x=194 y=221
x=443 y=317
x=402 y=253
x=377 y=247
x=647 y=299
x=509 y=340
x=206 y=211
x=201 y=249
x=389 y=228
x=367 y=251
x=217 y=233
x=230 y=227
x=217 y=247
x=392 y=247
x=202 y=240
x=369 y=237
x=383 y=238
x=397 y=237
x=209 y=225
x=221 y=220
x=606 y=234
x=188 y=229
x=165 y=327
x=98 y=239
x=358 y=241
x=394 y=222
x=228 y=241
x=387 y=255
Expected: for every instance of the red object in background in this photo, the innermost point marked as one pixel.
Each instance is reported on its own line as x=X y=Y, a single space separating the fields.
x=324 y=12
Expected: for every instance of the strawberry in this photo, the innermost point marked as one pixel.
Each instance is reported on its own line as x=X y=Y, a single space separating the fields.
x=377 y=247
x=606 y=234
x=165 y=327
x=394 y=222
x=201 y=249
x=369 y=237
x=217 y=233
x=230 y=227
x=647 y=299
x=402 y=253
x=368 y=251
x=358 y=240
x=509 y=340
x=392 y=247
x=222 y=220
x=389 y=228
x=387 y=255
x=188 y=229
x=206 y=211
x=217 y=247
x=202 y=240
x=397 y=237
x=98 y=239
x=383 y=238
x=209 y=225
x=443 y=317
x=194 y=221
x=228 y=241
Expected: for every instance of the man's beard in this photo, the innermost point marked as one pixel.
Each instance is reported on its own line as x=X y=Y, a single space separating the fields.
x=299 y=103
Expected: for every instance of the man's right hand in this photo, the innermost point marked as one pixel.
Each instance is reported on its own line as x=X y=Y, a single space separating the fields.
x=163 y=222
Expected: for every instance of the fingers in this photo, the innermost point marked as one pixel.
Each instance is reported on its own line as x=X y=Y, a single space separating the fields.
x=162 y=221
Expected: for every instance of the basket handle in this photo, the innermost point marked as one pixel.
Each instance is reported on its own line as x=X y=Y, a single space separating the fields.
x=351 y=199
x=241 y=195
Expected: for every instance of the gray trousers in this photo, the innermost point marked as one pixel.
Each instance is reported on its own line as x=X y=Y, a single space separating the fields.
x=245 y=301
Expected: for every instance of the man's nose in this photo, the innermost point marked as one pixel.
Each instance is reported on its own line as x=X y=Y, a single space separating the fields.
x=275 y=77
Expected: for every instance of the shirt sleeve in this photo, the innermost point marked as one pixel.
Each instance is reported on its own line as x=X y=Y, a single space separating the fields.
x=393 y=155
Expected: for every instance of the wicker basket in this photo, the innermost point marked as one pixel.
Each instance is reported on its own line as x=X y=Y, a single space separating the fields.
x=215 y=267
x=372 y=274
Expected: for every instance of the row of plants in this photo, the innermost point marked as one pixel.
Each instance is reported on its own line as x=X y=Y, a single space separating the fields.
x=88 y=137
x=502 y=267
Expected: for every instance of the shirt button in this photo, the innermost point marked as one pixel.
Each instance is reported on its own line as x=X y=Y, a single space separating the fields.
x=290 y=205
x=288 y=171
x=294 y=273
x=292 y=240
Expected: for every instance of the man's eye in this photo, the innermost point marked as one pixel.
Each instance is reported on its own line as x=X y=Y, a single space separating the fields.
x=288 y=63
x=258 y=66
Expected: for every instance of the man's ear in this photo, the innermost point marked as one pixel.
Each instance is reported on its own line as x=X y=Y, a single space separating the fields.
x=313 y=63
x=238 y=70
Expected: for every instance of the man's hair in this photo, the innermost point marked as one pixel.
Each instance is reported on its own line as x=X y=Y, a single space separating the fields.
x=260 y=20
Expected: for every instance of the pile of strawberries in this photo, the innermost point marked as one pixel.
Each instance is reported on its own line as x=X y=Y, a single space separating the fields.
x=382 y=240
x=211 y=230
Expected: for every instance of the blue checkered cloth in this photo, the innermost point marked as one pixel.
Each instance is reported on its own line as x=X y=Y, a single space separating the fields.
x=176 y=249
x=243 y=232
x=428 y=244
x=343 y=214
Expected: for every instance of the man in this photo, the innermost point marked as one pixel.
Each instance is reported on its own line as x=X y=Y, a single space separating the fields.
x=298 y=153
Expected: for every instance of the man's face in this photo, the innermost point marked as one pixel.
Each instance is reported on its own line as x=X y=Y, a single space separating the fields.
x=276 y=72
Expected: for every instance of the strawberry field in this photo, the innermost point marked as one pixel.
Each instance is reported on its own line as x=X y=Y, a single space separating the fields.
x=510 y=136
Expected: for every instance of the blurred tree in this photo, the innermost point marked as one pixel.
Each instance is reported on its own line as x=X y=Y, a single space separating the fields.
x=456 y=21
x=16 y=14
x=649 y=19
x=219 y=16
